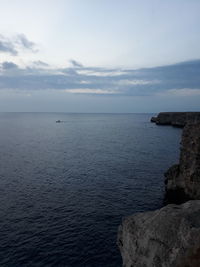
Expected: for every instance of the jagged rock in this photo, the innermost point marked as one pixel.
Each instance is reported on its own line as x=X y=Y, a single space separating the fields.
x=153 y=119
x=183 y=180
x=169 y=237
x=178 y=119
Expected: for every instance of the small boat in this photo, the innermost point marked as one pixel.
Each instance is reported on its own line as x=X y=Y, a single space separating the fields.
x=58 y=121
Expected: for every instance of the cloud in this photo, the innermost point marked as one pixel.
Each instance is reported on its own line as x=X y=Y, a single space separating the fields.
x=159 y=81
x=76 y=63
x=6 y=65
x=6 y=46
x=181 y=92
x=137 y=82
x=40 y=63
x=90 y=91
x=24 y=42
x=69 y=71
x=101 y=72
x=16 y=44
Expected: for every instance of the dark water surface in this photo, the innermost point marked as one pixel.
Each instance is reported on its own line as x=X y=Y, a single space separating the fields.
x=64 y=187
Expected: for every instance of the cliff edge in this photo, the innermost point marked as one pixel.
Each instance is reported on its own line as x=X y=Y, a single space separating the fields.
x=183 y=179
x=169 y=237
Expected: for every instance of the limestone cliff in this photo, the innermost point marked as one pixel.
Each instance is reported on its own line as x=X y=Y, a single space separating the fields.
x=183 y=179
x=169 y=237
x=178 y=119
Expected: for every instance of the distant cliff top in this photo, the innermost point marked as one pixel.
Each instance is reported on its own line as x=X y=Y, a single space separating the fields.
x=178 y=119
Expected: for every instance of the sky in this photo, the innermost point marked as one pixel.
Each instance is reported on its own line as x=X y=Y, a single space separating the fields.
x=99 y=55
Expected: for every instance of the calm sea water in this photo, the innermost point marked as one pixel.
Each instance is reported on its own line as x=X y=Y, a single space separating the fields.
x=64 y=187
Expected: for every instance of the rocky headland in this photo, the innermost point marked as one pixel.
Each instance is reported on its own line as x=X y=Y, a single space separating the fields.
x=178 y=119
x=170 y=236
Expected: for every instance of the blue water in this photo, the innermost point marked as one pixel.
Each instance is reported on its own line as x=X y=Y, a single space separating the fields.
x=64 y=187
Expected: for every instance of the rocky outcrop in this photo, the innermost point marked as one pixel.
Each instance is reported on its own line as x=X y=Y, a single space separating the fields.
x=178 y=119
x=183 y=180
x=153 y=119
x=169 y=237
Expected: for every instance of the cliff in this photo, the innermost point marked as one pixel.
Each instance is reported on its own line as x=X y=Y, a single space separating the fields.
x=183 y=180
x=169 y=237
x=178 y=119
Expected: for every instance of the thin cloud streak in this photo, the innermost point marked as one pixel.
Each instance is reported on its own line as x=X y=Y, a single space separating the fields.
x=185 y=92
x=90 y=91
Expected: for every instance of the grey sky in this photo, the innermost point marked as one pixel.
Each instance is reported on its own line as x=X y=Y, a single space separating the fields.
x=99 y=55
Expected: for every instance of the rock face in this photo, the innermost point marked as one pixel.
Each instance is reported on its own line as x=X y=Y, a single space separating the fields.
x=178 y=119
x=169 y=237
x=183 y=180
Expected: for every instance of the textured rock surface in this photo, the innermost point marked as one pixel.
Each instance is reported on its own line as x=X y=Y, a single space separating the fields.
x=169 y=237
x=178 y=119
x=183 y=180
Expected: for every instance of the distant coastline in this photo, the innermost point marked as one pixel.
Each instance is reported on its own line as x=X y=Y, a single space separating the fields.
x=177 y=119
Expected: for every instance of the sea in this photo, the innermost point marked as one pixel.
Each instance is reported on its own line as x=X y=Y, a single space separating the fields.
x=66 y=187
